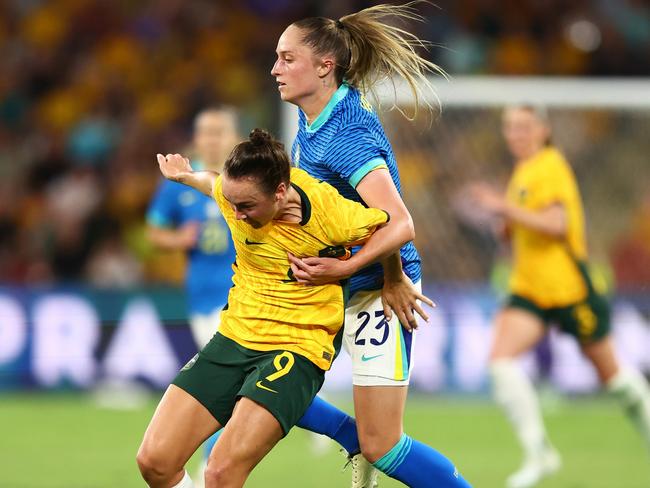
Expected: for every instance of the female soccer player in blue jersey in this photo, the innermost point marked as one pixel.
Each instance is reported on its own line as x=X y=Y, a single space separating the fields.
x=323 y=66
x=184 y=219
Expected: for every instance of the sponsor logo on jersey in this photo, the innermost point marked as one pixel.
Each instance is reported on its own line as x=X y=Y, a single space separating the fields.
x=260 y=385
x=253 y=243
x=365 y=358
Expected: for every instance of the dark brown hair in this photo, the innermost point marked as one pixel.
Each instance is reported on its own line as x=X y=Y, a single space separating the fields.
x=261 y=157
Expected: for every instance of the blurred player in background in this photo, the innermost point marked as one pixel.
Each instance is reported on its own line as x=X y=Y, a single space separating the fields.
x=184 y=219
x=263 y=367
x=323 y=66
x=543 y=215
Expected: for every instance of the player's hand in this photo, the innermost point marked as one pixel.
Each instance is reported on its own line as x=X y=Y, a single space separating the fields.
x=403 y=298
x=486 y=197
x=188 y=235
x=318 y=271
x=174 y=166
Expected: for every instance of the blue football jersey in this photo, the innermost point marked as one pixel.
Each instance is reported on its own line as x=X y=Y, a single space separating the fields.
x=209 y=270
x=344 y=144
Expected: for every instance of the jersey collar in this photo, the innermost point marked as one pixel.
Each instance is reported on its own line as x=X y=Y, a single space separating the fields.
x=305 y=203
x=327 y=111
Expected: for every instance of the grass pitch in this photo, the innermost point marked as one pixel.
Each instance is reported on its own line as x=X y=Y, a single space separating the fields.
x=67 y=441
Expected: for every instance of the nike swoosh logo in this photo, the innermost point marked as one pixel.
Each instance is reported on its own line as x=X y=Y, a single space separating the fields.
x=253 y=243
x=260 y=385
x=368 y=358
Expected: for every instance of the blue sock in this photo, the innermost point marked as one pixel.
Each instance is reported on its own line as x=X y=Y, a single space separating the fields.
x=209 y=444
x=324 y=418
x=419 y=466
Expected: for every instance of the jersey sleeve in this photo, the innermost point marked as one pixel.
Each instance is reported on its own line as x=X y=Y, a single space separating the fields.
x=163 y=210
x=350 y=222
x=217 y=194
x=355 y=152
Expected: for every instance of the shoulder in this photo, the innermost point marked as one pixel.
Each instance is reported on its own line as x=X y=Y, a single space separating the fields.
x=553 y=164
x=551 y=157
x=303 y=179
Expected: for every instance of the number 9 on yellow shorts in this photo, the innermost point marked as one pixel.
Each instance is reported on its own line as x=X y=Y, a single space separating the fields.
x=380 y=349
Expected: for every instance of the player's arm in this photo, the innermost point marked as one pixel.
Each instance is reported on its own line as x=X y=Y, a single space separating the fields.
x=179 y=239
x=175 y=167
x=386 y=240
x=378 y=191
x=551 y=220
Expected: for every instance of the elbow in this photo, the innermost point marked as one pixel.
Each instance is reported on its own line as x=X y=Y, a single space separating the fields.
x=558 y=232
x=558 y=229
x=410 y=230
x=404 y=227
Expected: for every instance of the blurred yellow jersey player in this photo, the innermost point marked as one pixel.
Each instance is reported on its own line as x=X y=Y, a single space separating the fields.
x=549 y=286
x=267 y=308
x=545 y=268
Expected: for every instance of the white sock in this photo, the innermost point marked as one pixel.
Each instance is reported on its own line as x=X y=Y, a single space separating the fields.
x=632 y=390
x=186 y=482
x=514 y=391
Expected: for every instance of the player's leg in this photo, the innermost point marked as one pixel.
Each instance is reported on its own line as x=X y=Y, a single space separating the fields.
x=274 y=395
x=203 y=328
x=384 y=443
x=381 y=359
x=517 y=330
x=178 y=427
x=626 y=384
x=208 y=386
x=250 y=434
x=324 y=418
x=589 y=322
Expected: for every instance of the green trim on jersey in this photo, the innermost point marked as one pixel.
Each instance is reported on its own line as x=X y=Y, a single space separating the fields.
x=360 y=173
x=327 y=111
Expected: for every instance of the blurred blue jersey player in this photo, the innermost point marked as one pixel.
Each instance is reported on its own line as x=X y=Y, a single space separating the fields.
x=323 y=66
x=182 y=218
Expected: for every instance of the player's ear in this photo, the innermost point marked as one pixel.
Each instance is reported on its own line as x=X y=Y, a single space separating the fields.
x=280 y=191
x=325 y=66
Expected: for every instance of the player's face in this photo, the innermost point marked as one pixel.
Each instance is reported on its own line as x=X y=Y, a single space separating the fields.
x=296 y=68
x=215 y=135
x=524 y=132
x=249 y=201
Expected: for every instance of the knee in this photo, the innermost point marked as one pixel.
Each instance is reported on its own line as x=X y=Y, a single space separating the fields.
x=153 y=465
x=219 y=472
x=374 y=445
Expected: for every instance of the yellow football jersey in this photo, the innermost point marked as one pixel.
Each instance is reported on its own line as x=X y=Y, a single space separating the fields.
x=545 y=268
x=267 y=309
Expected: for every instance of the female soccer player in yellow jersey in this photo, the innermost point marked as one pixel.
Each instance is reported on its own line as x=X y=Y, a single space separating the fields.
x=324 y=67
x=276 y=338
x=543 y=215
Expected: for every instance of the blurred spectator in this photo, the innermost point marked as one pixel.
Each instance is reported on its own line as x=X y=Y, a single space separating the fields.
x=92 y=89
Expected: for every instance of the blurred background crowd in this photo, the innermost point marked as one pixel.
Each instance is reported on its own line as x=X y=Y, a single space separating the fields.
x=92 y=89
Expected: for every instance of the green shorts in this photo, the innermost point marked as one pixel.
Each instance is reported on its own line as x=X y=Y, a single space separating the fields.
x=587 y=320
x=283 y=382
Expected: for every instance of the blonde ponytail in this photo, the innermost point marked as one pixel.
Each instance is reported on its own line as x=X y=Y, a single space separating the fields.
x=367 y=50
